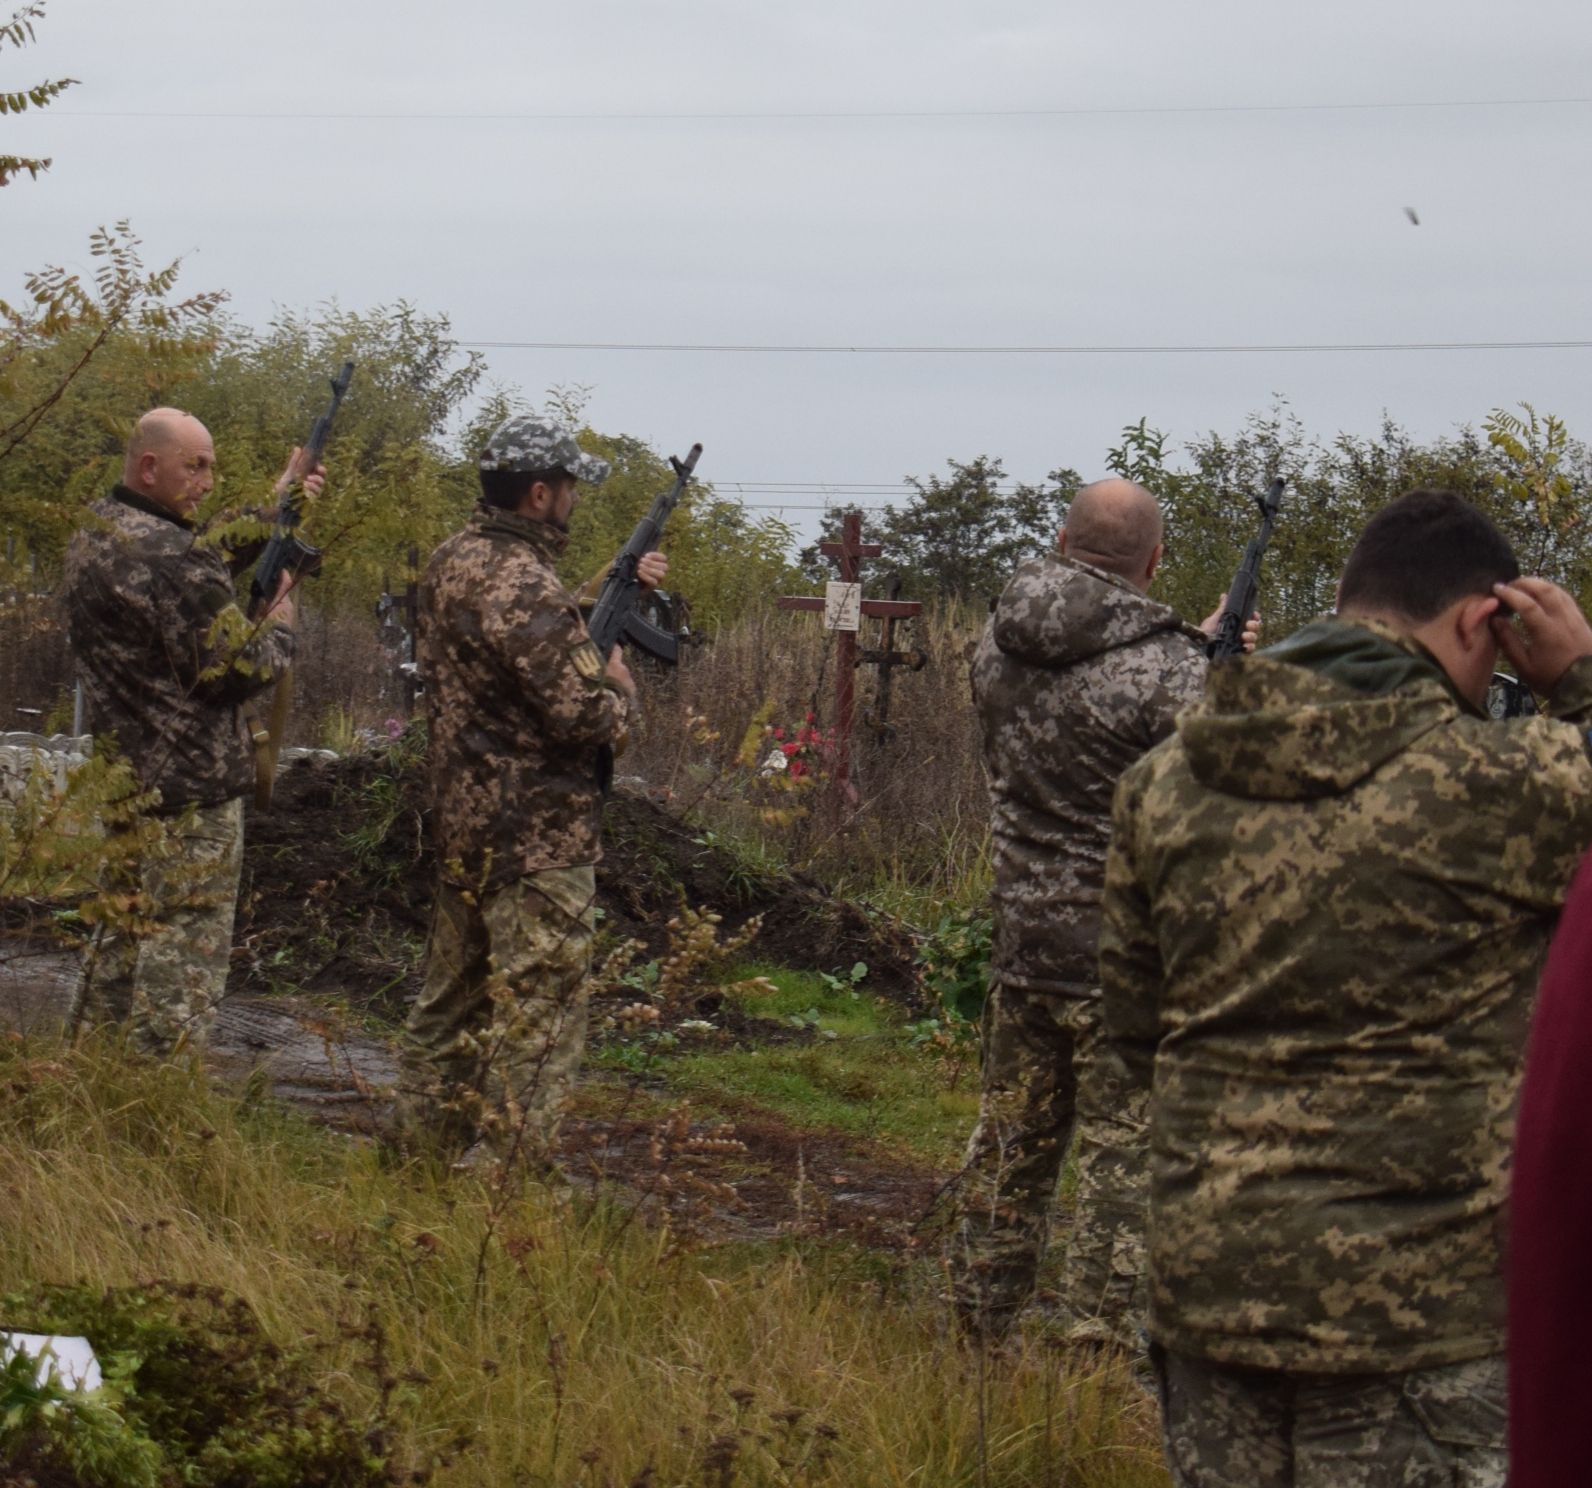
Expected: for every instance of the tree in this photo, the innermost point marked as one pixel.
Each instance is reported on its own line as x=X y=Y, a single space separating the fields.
x=959 y=538
x=18 y=32
x=1528 y=475
x=74 y=358
x=64 y=324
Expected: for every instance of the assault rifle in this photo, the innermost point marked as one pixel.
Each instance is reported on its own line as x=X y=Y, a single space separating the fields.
x=1241 y=593
x=286 y=552
x=614 y=617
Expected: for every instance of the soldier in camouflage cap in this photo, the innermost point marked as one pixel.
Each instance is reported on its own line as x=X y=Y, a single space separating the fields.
x=167 y=661
x=530 y=442
x=1326 y=905
x=1078 y=673
x=520 y=705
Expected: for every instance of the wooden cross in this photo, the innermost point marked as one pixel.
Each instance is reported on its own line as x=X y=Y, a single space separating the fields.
x=887 y=659
x=843 y=608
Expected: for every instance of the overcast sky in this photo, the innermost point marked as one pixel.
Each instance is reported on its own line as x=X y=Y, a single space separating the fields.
x=1251 y=225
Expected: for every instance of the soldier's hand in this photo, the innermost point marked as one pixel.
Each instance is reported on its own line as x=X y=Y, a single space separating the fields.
x=619 y=673
x=652 y=569
x=1552 y=632
x=1251 y=626
x=301 y=469
x=281 y=607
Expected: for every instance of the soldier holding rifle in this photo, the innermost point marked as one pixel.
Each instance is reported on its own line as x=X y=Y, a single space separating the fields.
x=521 y=709
x=167 y=661
x=1079 y=672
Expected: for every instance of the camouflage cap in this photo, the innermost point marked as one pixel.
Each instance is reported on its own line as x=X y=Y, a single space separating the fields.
x=531 y=442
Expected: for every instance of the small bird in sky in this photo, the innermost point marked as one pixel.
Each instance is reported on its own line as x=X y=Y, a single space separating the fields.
x=1410 y=213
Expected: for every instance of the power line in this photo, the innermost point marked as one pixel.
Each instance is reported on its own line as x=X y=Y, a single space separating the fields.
x=842 y=488
x=801 y=115
x=1193 y=349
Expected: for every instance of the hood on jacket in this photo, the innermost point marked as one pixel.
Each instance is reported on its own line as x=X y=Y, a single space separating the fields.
x=1316 y=714
x=1057 y=611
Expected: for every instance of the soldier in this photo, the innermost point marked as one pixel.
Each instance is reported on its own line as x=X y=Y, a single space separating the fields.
x=156 y=629
x=1077 y=674
x=520 y=707
x=1326 y=904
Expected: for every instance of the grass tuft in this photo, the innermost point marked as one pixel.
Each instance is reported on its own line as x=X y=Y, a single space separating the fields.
x=599 y=1349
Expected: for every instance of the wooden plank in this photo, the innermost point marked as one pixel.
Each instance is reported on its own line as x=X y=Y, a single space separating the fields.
x=892 y=609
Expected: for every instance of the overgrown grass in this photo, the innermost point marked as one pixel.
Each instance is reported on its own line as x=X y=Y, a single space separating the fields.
x=917 y=839
x=571 y=1343
x=843 y=1087
x=858 y=1071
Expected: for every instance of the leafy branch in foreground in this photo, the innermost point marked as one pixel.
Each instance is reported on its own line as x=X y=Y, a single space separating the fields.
x=123 y=293
x=18 y=32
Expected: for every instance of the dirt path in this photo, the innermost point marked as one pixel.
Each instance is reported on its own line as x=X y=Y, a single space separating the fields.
x=764 y=1178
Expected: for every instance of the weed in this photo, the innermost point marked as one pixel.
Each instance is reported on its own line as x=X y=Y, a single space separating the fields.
x=203 y=1395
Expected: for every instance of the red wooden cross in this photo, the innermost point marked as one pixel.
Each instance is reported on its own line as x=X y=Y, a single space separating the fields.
x=848 y=553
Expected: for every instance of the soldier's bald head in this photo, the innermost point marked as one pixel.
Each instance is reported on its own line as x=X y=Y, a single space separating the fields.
x=171 y=460
x=162 y=429
x=1115 y=525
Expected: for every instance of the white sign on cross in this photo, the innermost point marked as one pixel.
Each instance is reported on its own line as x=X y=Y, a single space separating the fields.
x=842 y=606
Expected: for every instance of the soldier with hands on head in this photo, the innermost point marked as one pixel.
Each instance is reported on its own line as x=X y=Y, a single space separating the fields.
x=167 y=659
x=520 y=707
x=1327 y=902
x=1078 y=673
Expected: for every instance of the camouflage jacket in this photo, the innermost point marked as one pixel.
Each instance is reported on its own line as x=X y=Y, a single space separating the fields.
x=1077 y=674
x=1326 y=905
x=165 y=654
x=518 y=703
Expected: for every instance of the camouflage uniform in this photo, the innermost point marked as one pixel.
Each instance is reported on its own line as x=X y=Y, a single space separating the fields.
x=1326 y=906
x=1425 y=1428
x=167 y=659
x=1077 y=674
x=519 y=705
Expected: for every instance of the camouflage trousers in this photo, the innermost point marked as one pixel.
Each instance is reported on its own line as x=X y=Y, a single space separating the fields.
x=1047 y=1077
x=1255 y=1428
x=163 y=985
x=494 y=1040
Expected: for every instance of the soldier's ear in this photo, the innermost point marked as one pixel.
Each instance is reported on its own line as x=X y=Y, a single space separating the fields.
x=1473 y=617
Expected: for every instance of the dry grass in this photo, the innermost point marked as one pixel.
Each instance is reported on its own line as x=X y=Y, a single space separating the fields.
x=599 y=1348
x=919 y=829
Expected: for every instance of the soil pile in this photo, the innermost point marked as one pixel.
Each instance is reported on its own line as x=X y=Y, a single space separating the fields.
x=338 y=879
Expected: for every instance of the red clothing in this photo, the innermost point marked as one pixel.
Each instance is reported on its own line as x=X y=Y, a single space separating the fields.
x=1550 y=1247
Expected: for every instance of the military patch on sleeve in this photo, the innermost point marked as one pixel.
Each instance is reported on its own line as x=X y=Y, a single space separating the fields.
x=587 y=662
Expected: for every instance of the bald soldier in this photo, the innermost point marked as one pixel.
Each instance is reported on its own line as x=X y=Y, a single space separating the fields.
x=1078 y=673
x=167 y=660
